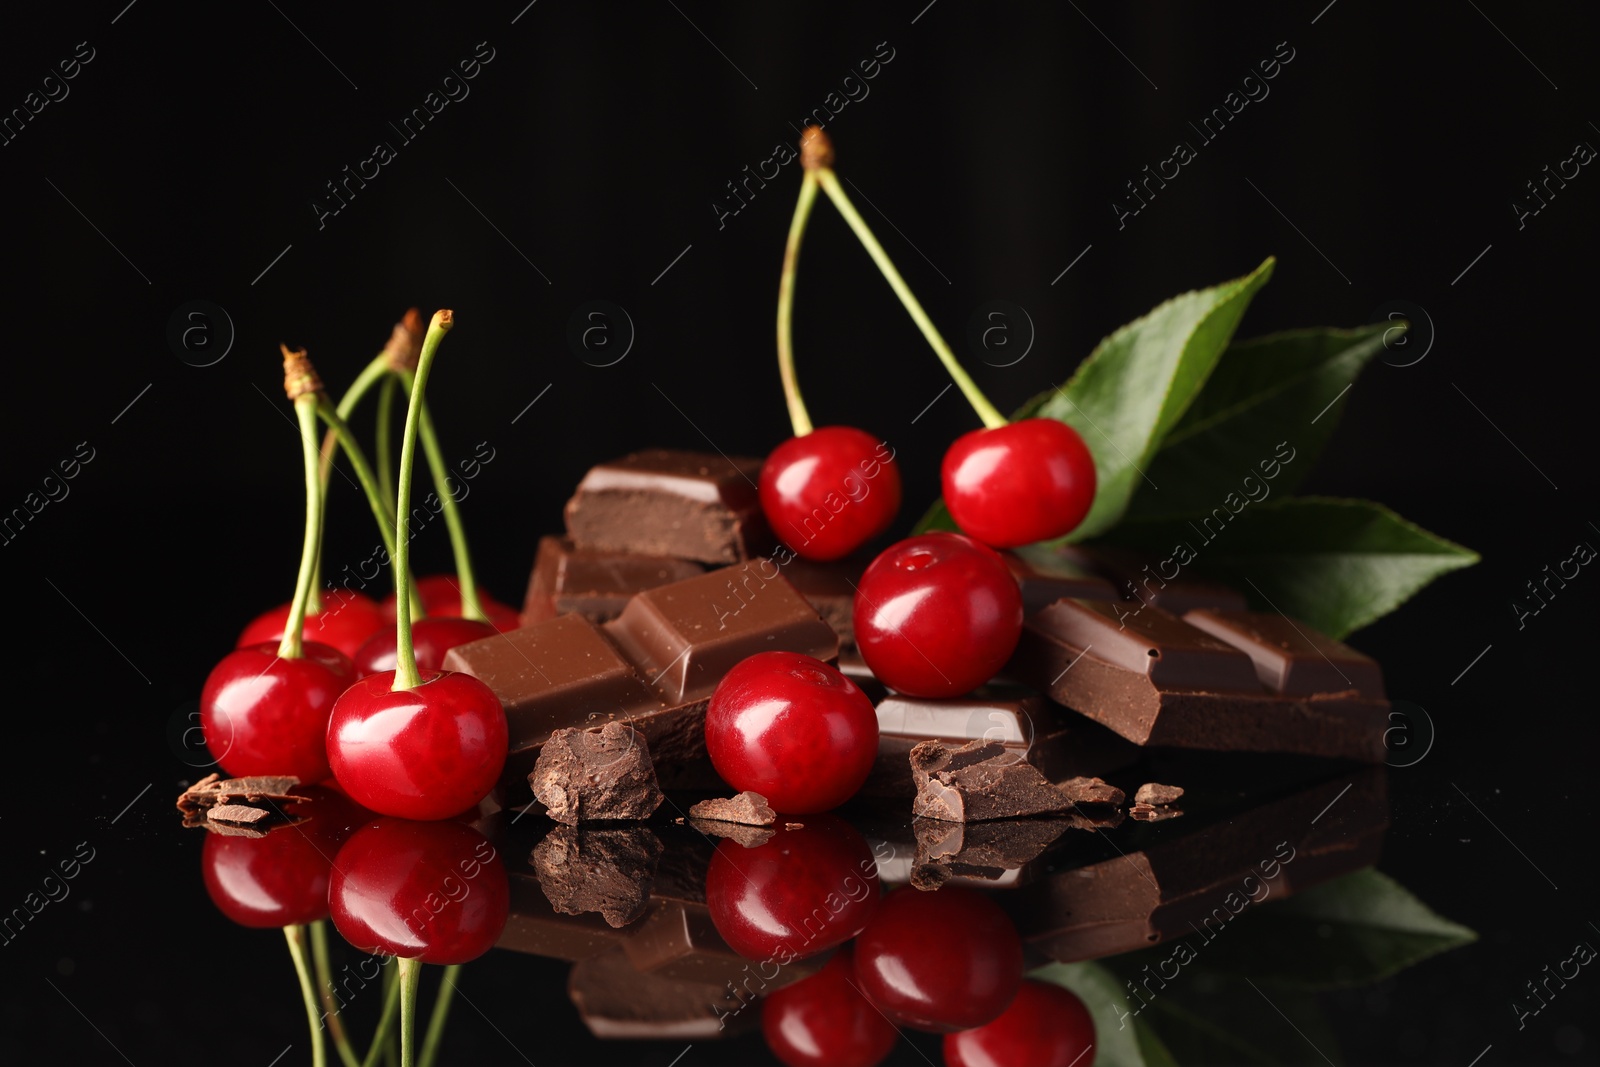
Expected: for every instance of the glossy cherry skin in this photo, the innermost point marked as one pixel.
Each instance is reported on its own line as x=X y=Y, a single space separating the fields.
x=345 y=621
x=261 y=714
x=280 y=879
x=1045 y=1026
x=803 y=891
x=431 y=638
x=794 y=730
x=1017 y=484
x=822 y=1021
x=830 y=492
x=428 y=752
x=937 y=615
x=430 y=891
x=441 y=595
x=941 y=961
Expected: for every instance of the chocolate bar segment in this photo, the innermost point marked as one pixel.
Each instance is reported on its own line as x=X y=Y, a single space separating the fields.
x=1159 y=583
x=831 y=589
x=1289 y=657
x=687 y=505
x=595 y=584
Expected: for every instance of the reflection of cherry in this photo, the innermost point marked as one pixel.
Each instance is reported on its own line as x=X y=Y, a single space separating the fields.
x=1046 y=1026
x=822 y=1021
x=1013 y=485
x=801 y=892
x=431 y=638
x=280 y=879
x=345 y=621
x=261 y=713
x=430 y=891
x=828 y=492
x=941 y=961
x=441 y=595
x=794 y=730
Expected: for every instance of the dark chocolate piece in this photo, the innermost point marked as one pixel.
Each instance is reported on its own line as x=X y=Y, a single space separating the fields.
x=214 y=790
x=608 y=871
x=831 y=589
x=237 y=814
x=618 y=1002
x=980 y=780
x=990 y=854
x=1156 y=794
x=1046 y=574
x=1091 y=791
x=1147 y=581
x=1291 y=658
x=746 y=808
x=1158 y=680
x=595 y=584
x=596 y=774
x=688 y=505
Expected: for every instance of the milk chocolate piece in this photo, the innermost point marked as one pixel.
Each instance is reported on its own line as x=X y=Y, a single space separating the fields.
x=1046 y=574
x=595 y=584
x=688 y=505
x=746 y=808
x=597 y=774
x=1091 y=791
x=1156 y=794
x=608 y=871
x=1157 y=679
x=980 y=780
x=618 y=1002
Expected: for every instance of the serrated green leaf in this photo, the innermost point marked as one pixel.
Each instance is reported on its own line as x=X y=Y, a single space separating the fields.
x=1121 y=1038
x=1285 y=388
x=1336 y=564
x=1136 y=385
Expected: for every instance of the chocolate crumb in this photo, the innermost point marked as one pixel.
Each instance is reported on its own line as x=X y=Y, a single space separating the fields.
x=599 y=773
x=980 y=780
x=1156 y=794
x=1092 y=791
x=747 y=809
x=794 y=826
x=1153 y=813
x=610 y=871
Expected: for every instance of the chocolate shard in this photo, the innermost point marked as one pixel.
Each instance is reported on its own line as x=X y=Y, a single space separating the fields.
x=980 y=780
x=596 y=774
x=618 y=1002
x=255 y=790
x=687 y=505
x=747 y=808
x=238 y=814
x=567 y=580
x=609 y=871
x=1154 y=793
x=1091 y=791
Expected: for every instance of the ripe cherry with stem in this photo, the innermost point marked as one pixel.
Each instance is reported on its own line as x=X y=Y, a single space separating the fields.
x=1010 y=483
x=826 y=492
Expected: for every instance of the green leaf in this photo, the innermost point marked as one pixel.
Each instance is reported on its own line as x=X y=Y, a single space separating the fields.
x=1336 y=564
x=1134 y=388
x=1285 y=388
x=1121 y=1038
x=1221 y=1019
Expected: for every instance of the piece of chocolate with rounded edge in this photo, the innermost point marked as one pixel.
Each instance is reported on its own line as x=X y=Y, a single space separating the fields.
x=596 y=774
x=663 y=502
x=567 y=580
x=1292 y=658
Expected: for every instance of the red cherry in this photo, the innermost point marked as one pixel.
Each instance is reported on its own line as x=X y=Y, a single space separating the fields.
x=441 y=595
x=430 y=891
x=431 y=638
x=261 y=714
x=937 y=615
x=823 y=1021
x=1046 y=1026
x=941 y=961
x=346 y=620
x=830 y=492
x=801 y=892
x=427 y=752
x=1017 y=484
x=793 y=729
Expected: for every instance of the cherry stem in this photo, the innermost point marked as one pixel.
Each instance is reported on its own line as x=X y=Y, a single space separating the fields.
x=325 y=994
x=391 y=1002
x=290 y=647
x=441 y=1012
x=296 y=936
x=385 y=437
x=471 y=604
x=410 y=974
x=986 y=411
x=405 y=668
x=799 y=418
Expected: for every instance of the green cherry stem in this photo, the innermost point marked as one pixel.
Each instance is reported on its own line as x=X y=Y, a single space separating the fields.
x=296 y=936
x=330 y=1003
x=385 y=437
x=391 y=1003
x=302 y=385
x=441 y=1012
x=410 y=975
x=830 y=184
x=405 y=670
x=799 y=418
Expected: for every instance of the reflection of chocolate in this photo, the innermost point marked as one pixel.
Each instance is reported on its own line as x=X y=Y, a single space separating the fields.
x=1153 y=813
x=747 y=808
x=588 y=775
x=609 y=871
x=747 y=836
x=591 y=583
x=688 y=505
x=980 y=780
x=985 y=853
x=616 y=1002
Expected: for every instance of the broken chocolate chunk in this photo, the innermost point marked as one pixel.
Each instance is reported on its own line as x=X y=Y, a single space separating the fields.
x=214 y=790
x=750 y=809
x=1156 y=794
x=980 y=780
x=610 y=871
x=603 y=773
x=1091 y=791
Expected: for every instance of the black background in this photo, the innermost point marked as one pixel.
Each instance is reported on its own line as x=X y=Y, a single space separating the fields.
x=594 y=145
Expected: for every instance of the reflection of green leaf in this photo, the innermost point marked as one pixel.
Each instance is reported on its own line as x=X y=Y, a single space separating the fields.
x=1289 y=387
x=1121 y=1038
x=1336 y=564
